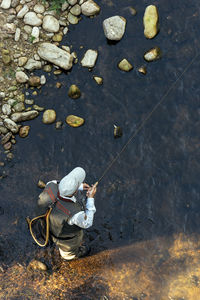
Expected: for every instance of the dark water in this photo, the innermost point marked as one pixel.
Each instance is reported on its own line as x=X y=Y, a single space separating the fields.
x=152 y=191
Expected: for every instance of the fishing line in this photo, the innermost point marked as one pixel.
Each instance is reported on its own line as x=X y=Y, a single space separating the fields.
x=147 y=118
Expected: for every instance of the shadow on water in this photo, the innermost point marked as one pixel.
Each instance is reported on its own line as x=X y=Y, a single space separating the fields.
x=152 y=191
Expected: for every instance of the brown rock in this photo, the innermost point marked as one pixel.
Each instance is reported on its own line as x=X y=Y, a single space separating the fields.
x=74 y=92
x=24 y=131
x=74 y=121
x=34 y=81
x=7 y=146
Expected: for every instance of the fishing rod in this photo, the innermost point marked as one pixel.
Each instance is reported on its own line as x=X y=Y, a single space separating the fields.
x=142 y=123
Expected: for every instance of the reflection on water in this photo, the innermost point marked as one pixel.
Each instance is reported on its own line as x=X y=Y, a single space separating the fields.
x=146 y=230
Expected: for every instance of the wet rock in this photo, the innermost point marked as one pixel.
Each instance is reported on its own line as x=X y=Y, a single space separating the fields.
x=39 y=8
x=6 y=109
x=150 y=21
x=24 y=116
x=33 y=64
x=58 y=124
x=32 y=19
x=117 y=131
x=57 y=72
x=74 y=121
x=22 y=61
x=124 y=65
x=114 y=27
x=38 y=108
x=5 y=4
x=24 y=131
x=75 y=10
x=34 y=81
x=58 y=85
x=7 y=146
x=50 y=24
x=74 y=92
x=90 y=8
x=57 y=37
x=23 y=11
x=89 y=58
x=21 y=77
x=6 y=138
x=72 y=19
x=99 y=80
x=152 y=54
x=41 y=184
x=55 y=55
x=142 y=70
x=11 y=125
x=49 y=116
x=37 y=265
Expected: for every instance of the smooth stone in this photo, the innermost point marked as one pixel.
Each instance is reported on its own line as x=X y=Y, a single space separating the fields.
x=75 y=10
x=72 y=19
x=47 y=68
x=35 y=34
x=29 y=101
x=50 y=24
x=43 y=80
x=38 y=108
x=74 y=92
x=5 y=4
x=90 y=8
x=72 y=2
x=6 y=109
x=150 y=21
x=18 y=107
x=124 y=65
x=39 y=8
x=57 y=37
x=37 y=265
x=23 y=11
x=34 y=81
x=24 y=116
x=114 y=27
x=152 y=54
x=59 y=125
x=17 y=34
x=55 y=55
x=64 y=6
x=11 y=125
x=74 y=121
x=7 y=146
x=14 y=3
x=28 y=29
x=6 y=138
x=21 y=77
x=99 y=80
x=41 y=184
x=89 y=58
x=22 y=61
x=142 y=70
x=33 y=64
x=49 y=116
x=24 y=131
x=31 y=18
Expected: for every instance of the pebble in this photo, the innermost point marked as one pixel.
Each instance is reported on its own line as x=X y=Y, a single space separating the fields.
x=72 y=19
x=10 y=156
x=75 y=10
x=11 y=125
x=74 y=92
x=58 y=124
x=74 y=121
x=150 y=21
x=114 y=27
x=72 y=2
x=57 y=37
x=43 y=80
x=6 y=138
x=47 y=68
x=7 y=146
x=22 y=11
x=6 y=109
x=17 y=34
x=19 y=107
x=24 y=131
x=64 y=6
x=21 y=77
x=24 y=116
x=58 y=85
x=99 y=80
x=49 y=116
x=50 y=24
x=142 y=70
x=5 y=4
x=39 y=8
x=90 y=8
x=28 y=29
x=89 y=58
x=33 y=64
x=31 y=18
x=35 y=34
x=22 y=61
x=152 y=54
x=38 y=108
x=34 y=81
x=124 y=65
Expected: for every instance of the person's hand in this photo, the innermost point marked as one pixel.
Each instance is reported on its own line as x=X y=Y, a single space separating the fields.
x=86 y=186
x=92 y=191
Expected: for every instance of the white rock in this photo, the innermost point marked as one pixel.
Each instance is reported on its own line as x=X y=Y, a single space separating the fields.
x=39 y=8
x=90 y=8
x=75 y=10
x=21 y=77
x=2 y=95
x=32 y=65
x=17 y=34
x=35 y=33
x=6 y=109
x=72 y=19
x=50 y=24
x=11 y=125
x=24 y=116
x=31 y=19
x=5 y=4
x=65 y=30
x=43 y=80
x=72 y=2
x=23 y=11
x=89 y=58
x=65 y=6
x=28 y=29
x=55 y=55
x=114 y=28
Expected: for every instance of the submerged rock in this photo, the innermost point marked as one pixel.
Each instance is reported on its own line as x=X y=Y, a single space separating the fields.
x=24 y=131
x=74 y=121
x=117 y=131
x=124 y=65
x=150 y=21
x=99 y=80
x=152 y=54
x=49 y=116
x=142 y=70
x=55 y=55
x=114 y=27
x=89 y=58
x=24 y=116
x=74 y=92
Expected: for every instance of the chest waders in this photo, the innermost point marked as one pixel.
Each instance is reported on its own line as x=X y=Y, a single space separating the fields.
x=44 y=217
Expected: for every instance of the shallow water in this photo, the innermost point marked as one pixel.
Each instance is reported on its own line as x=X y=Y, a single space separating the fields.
x=145 y=236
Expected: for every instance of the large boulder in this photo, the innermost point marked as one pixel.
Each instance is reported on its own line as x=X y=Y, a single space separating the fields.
x=114 y=28
x=55 y=55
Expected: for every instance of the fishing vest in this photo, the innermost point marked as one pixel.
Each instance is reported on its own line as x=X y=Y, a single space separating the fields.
x=61 y=213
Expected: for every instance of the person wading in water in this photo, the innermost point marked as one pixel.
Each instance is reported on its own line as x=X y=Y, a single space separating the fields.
x=69 y=216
